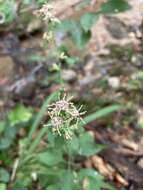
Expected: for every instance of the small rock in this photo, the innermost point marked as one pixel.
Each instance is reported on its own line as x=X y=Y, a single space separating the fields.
x=116 y=28
x=87 y=80
x=114 y=82
x=69 y=75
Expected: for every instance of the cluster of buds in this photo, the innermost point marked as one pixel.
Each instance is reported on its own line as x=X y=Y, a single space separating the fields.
x=47 y=13
x=64 y=116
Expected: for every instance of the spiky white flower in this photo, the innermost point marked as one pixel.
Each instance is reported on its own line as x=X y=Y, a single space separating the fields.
x=64 y=116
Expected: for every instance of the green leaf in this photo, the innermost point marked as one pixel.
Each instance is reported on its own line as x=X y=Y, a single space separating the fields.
x=114 y=6
x=3 y=186
x=20 y=114
x=7 y=139
x=101 y=113
x=87 y=146
x=66 y=26
x=67 y=180
x=72 y=60
x=50 y=158
x=88 y=20
x=93 y=177
x=73 y=145
x=49 y=177
x=5 y=143
x=80 y=37
x=4 y=175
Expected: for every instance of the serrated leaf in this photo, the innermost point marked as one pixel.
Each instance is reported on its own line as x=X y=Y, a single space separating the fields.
x=88 y=20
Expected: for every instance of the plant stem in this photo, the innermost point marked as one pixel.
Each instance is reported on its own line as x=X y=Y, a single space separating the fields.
x=38 y=138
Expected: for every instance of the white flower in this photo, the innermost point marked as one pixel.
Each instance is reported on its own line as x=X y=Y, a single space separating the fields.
x=64 y=116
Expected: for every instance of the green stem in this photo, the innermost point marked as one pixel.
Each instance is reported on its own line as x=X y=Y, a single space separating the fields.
x=69 y=159
x=38 y=138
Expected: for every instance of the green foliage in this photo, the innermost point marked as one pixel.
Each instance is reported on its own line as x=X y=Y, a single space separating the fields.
x=101 y=113
x=48 y=155
x=80 y=30
x=56 y=162
x=115 y=6
x=87 y=145
x=3 y=186
x=7 y=137
x=79 y=36
x=8 y=9
x=88 y=20
x=136 y=82
x=29 y=2
x=4 y=175
x=94 y=180
x=17 y=117
x=19 y=114
x=19 y=186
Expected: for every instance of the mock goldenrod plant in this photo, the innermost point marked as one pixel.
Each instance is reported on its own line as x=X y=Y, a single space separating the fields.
x=48 y=156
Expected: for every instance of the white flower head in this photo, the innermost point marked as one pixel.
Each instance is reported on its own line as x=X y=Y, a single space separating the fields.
x=64 y=116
